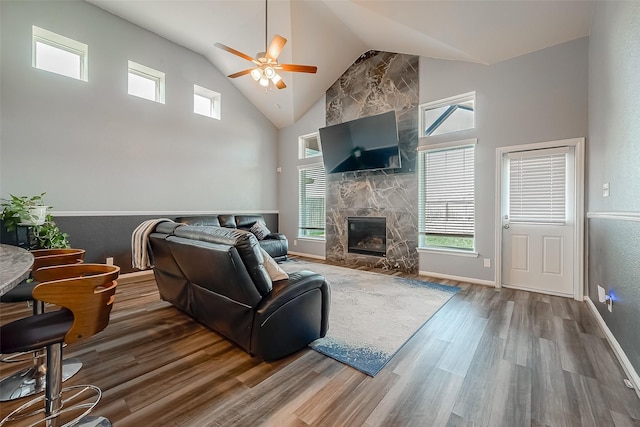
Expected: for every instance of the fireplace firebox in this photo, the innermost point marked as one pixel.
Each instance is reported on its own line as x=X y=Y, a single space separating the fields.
x=367 y=235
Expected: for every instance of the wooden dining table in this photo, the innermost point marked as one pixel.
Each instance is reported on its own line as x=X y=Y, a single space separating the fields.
x=15 y=266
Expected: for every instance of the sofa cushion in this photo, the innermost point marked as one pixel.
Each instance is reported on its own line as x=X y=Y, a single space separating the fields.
x=228 y=221
x=245 y=243
x=260 y=230
x=245 y=222
x=275 y=272
x=199 y=220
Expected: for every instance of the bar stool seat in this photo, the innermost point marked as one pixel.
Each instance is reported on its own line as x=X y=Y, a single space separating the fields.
x=34 y=332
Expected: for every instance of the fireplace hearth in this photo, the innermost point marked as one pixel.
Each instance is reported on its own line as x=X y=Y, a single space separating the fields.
x=367 y=236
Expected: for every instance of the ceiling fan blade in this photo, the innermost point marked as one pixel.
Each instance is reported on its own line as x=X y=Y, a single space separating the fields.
x=237 y=53
x=298 y=68
x=240 y=73
x=275 y=47
x=280 y=84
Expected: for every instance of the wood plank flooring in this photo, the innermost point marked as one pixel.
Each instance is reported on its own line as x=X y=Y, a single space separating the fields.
x=488 y=358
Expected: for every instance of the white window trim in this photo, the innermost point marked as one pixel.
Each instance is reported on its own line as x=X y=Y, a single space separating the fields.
x=63 y=43
x=449 y=251
x=214 y=97
x=151 y=74
x=446 y=145
x=443 y=250
x=301 y=146
x=469 y=96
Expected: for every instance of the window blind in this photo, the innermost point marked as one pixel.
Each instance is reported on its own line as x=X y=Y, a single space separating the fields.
x=537 y=187
x=311 y=206
x=447 y=192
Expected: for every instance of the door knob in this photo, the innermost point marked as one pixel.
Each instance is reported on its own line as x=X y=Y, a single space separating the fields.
x=506 y=226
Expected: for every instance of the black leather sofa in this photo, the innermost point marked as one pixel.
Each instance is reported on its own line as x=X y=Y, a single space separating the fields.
x=217 y=276
x=275 y=244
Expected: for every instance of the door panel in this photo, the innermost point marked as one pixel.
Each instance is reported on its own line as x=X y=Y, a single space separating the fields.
x=537 y=250
x=552 y=254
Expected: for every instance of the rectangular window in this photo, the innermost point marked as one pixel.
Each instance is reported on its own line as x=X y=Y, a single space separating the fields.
x=311 y=197
x=447 y=200
x=448 y=115
x=537 y=187
x=206 y=102
x=145 y=82
x=59 y=54
x=309 y=146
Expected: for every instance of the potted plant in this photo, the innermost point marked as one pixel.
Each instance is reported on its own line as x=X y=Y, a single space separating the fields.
x=31 y=211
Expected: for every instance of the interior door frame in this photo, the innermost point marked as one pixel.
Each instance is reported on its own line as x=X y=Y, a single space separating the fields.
x=578 y=241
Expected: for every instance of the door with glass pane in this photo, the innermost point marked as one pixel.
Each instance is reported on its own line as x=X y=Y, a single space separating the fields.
x=538 y=220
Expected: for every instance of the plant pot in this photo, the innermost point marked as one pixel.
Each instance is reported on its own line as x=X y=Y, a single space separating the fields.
x=37 y=216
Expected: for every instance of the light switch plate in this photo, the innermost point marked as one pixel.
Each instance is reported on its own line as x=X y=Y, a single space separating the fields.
x=605 y=189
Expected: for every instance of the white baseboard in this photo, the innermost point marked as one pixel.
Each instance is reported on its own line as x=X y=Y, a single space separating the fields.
x=307 y=255
x=457 y=278
x=619 y=352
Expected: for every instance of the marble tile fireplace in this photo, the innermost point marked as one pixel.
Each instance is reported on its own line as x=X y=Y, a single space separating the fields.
x=376 y=83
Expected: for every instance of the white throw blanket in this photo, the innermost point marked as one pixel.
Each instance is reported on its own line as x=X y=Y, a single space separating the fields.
x=140 y=258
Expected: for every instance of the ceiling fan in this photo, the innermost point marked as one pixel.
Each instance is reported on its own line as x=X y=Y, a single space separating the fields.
x=266 y=63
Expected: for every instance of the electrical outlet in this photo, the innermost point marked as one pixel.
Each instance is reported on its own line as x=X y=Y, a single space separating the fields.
x=487 y=262
x=110 y=260
x=605 y=189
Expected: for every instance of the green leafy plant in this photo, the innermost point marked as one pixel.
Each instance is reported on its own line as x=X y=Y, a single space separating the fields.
x=19 y=209
x=50 y=236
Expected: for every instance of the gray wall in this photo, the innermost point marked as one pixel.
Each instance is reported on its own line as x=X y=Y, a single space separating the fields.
x=313 y=120
x=94 y=148
x=537 y=97
x=613 y=156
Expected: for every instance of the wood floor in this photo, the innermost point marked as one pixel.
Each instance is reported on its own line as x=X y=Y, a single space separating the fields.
x=487 y=358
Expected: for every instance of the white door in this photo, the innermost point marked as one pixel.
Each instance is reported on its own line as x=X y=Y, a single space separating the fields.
x=538 y=220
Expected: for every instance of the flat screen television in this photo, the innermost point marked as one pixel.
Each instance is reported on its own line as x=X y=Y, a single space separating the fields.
x=367 y=143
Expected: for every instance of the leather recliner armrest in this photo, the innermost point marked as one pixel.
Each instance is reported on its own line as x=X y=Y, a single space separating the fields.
x=293 y=314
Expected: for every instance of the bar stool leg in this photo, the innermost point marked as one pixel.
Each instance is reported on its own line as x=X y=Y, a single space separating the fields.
x=53 y=391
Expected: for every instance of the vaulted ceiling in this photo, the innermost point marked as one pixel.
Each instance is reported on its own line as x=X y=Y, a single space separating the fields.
x=331 y=34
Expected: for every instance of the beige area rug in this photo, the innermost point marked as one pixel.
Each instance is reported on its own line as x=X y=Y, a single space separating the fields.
x=372 y=315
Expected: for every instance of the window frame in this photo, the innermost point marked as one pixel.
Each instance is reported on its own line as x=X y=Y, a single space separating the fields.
x=458 y=99
x=63 y=43
x=158 y=77
x=215 y=101
x=300 y=227
x=302 y=148
x=423 y=150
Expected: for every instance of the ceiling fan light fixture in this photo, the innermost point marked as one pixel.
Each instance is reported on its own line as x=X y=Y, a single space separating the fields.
x=269 y=72
x=264 y=81
x=256 y=74
x=276 y=78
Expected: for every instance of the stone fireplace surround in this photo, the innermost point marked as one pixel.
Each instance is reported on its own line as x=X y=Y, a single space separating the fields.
x=377 y=82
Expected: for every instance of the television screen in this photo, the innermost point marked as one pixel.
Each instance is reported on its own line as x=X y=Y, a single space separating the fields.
x=362 y=144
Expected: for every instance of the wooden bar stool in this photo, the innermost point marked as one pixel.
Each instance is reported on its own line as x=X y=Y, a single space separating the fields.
x=31 y=380
x=86 y=293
